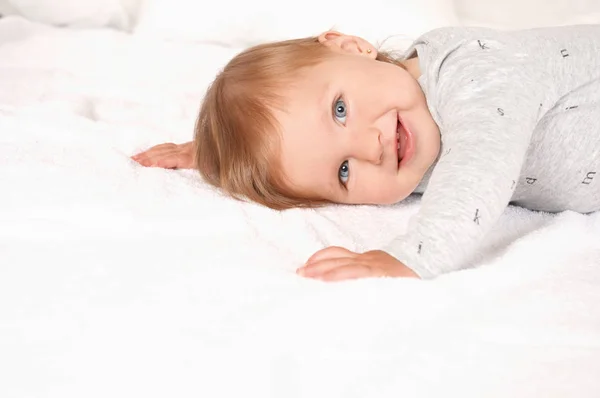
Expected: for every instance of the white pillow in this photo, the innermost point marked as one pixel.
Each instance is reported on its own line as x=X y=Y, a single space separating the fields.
x=241 y=23
x=119 y=14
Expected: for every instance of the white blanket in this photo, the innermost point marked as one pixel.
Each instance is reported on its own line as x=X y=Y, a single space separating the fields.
x=122 y=281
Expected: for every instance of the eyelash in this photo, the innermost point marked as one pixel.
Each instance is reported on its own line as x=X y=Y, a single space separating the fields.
x=342 y=183
x=337 y=99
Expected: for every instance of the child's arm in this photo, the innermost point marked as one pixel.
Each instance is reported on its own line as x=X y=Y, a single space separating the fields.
x=488 y=108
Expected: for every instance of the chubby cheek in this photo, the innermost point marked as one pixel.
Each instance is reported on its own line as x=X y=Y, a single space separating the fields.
x=380 y=189
x=392 y=195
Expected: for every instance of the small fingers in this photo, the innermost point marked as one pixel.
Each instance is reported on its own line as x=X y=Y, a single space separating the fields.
x=166 y=163
x=175 y=160
x=163 y=155
x=166 y=147
x=148 y=161
x=317 y=268
x=329 y=252
x=351 y=271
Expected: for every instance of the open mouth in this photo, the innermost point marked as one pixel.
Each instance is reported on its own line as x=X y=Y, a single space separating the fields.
x=404 y=141
x=398 y=144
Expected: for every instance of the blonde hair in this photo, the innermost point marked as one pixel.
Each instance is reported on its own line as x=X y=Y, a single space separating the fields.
x=236 y=137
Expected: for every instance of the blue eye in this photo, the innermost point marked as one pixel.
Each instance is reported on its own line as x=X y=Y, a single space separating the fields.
x=344 y=172
x=339 y=110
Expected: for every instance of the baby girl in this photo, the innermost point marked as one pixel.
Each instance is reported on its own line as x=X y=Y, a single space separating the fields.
x=473 y=119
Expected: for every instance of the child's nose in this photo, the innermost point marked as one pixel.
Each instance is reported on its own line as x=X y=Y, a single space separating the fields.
x=369 y=147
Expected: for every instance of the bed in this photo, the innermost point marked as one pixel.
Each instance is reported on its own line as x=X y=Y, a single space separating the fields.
x=123 y=281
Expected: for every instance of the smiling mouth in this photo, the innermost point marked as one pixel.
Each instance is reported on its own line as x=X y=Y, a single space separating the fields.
x=404 y=143
x=399 y=141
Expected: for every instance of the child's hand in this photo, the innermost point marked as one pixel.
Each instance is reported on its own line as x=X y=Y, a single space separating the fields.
x=336 y=263
x=168 y=156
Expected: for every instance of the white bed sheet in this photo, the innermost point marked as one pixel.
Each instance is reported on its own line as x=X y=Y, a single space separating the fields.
x=122 y=281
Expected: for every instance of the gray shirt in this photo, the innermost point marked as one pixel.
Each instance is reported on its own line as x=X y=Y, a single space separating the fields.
x=519 y=116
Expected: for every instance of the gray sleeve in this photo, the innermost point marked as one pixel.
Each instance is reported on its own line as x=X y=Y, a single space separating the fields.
x=488 y=110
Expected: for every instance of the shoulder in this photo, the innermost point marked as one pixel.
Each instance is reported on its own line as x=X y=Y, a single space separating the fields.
x=524 y=39
x=452 y=52
x=455 y=47
x=446 y=35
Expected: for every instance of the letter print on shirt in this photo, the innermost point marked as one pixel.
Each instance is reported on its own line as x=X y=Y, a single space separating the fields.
x=477 y=217
x=589 y=177
x=564 y=53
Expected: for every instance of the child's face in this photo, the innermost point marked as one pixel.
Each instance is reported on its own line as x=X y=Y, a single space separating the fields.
x=340 y=129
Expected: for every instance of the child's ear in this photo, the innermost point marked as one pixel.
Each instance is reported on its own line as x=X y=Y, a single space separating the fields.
x=347 y=44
